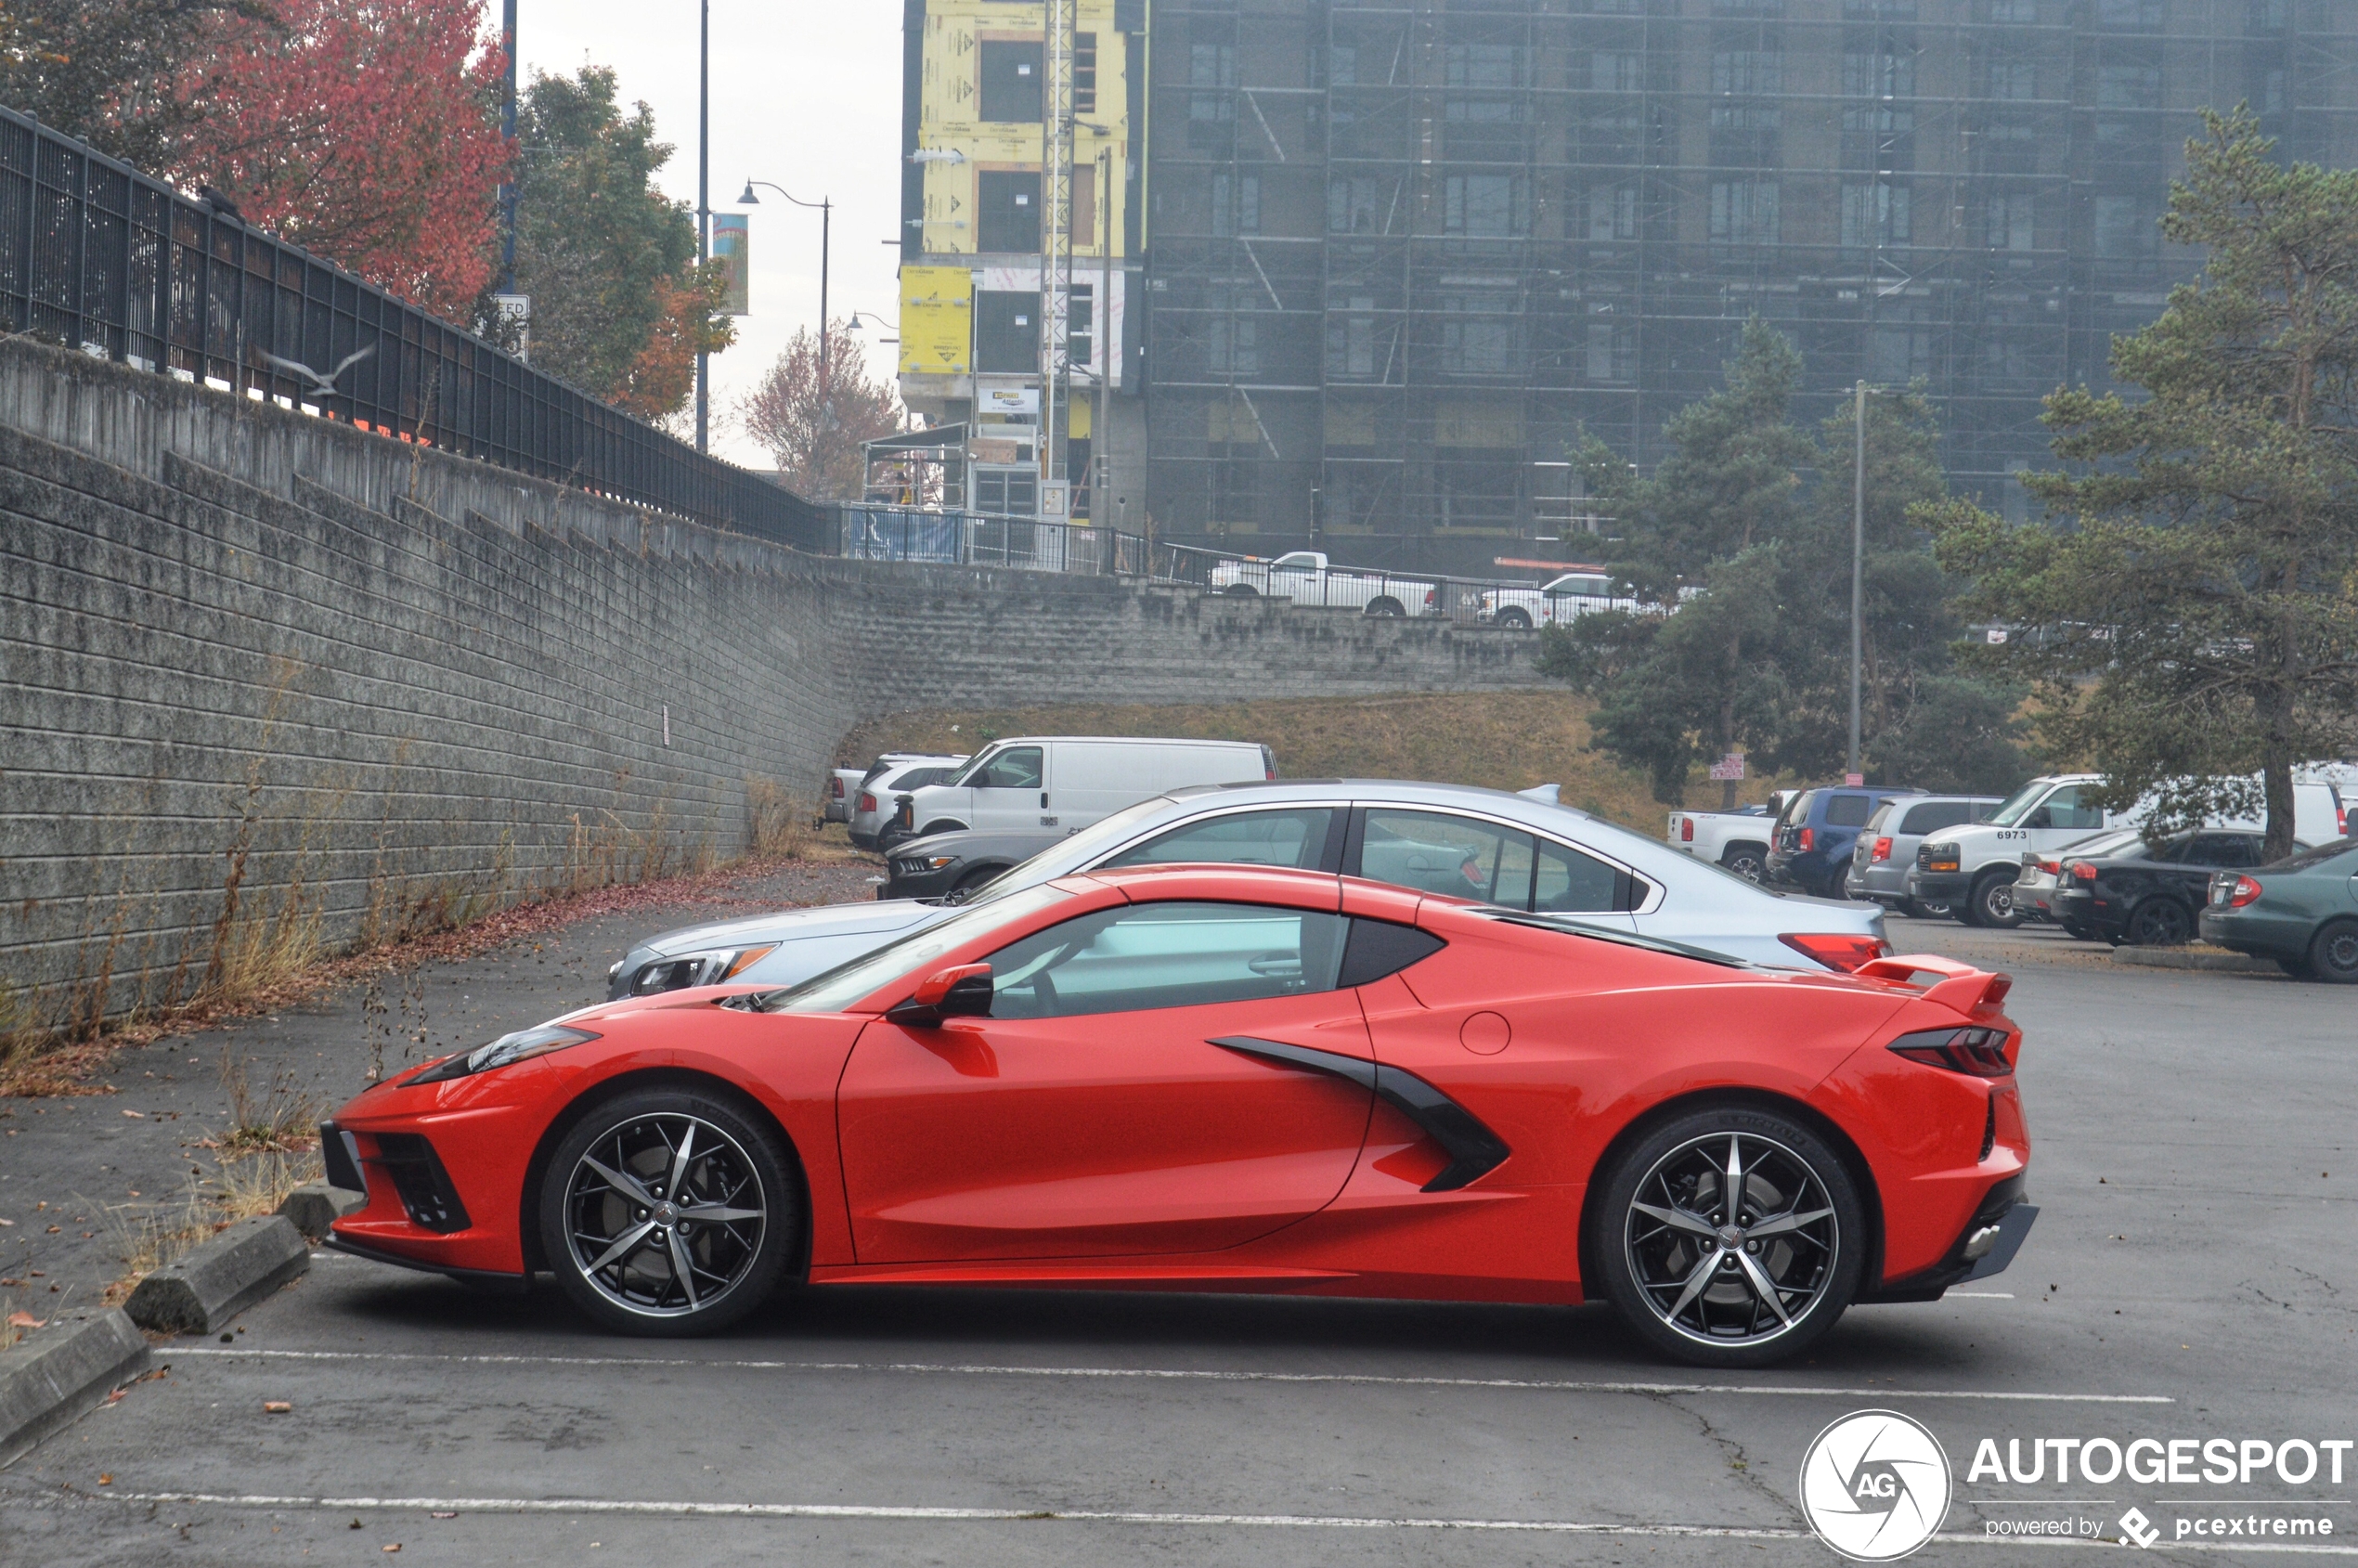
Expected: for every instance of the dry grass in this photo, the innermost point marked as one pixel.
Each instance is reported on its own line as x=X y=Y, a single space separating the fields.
x=277 y=1120
x=778 y=826
x=149 y=1235
x=1498 y=740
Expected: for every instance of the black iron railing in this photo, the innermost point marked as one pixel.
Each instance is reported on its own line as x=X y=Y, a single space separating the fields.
x=97 y=256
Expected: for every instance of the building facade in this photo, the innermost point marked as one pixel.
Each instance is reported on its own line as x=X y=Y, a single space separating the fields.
x=1406 y=253
x=1005 y=230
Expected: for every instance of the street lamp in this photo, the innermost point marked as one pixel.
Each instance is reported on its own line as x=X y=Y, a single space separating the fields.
x=826 y=221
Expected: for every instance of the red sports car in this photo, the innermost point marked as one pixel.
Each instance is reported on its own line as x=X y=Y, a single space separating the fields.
x=1233 y=1079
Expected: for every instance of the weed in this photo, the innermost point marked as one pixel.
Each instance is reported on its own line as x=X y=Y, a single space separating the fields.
x=778 y=826
x=279 y=1120
x=149 y=1235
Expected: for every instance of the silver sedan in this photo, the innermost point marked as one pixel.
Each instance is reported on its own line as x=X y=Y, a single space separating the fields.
x=1524 y=851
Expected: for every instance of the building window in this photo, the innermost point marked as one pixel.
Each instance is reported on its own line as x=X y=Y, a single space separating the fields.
x=1743 y=211
x=1351 y=339
x=1007 y=215
x=1480 y=205
x=1483 y=65
x=1747 y=71
x=1236 y=346
x=2014 y=79
x=1874 y=215
x=1084 y=73
x=1081 y=326
x=2125 y=227
x=1006 y=332
x=2010 y=222
x=1342 y=65
x=1879 y=73
x=1613 y=213
x=1616 y=71
x=1236 y=201
x=1011 y=78
x=2128 y=86
x=1358 y=206
x=2129 y=13
x=1609 y=357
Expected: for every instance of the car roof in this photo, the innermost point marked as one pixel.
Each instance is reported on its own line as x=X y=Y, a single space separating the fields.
x=1120 y=739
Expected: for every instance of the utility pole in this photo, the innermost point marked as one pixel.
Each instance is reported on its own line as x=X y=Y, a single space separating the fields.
x=1858 y=562
x=1056 y=181
x=704 y=204
x=507 y=138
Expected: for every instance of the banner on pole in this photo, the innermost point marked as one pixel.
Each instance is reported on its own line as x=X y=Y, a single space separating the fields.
x=729 y=236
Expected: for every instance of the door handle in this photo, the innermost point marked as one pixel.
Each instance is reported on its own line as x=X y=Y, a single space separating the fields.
x=1044 y=800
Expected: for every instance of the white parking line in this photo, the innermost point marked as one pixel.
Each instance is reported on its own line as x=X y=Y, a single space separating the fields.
x=1106 y=1516
x=927 y=1368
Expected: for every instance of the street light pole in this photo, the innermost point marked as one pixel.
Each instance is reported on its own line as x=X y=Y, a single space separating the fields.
x=704 y=203
x=826 y=209
x=1858 y=562
x=508 y=140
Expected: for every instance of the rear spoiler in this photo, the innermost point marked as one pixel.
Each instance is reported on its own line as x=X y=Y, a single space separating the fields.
x=1961 y=986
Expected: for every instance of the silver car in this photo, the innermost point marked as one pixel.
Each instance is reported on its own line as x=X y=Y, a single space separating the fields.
x=1479 y=844
x=895 y=774
x=1886 y=846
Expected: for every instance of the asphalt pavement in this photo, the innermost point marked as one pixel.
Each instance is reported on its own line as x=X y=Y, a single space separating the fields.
x=2191 y=1278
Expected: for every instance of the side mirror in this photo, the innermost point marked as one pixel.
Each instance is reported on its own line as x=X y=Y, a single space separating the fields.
x=961 y=990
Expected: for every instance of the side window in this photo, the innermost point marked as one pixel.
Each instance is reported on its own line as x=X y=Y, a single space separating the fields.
x=1144 y=956
x=1011 y=80
x=1433 y=852
x=1848 y=810
x=1572 y=883
x=2222 y=850
x=1017 y=768
x=1296 y=839
x=2063 y=810
x=1933 y=818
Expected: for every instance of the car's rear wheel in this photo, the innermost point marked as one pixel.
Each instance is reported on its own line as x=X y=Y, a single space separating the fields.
x=1745 y=860
x=1991 y=903
x=669 y=1212
x=1241 y=591
x=1516 y=619
x=1387 y=607
x=2333 y=954
x=2160 y=922
x=1730 y=1237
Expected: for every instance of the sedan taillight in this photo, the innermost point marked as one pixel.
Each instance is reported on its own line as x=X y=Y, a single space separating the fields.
x=2244 y=892
x=1837 y=950
x=1981 y=1052
x=2082 y=871
x=867 y=801
x=1881 y=850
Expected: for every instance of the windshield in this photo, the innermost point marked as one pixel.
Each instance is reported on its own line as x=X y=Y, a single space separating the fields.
x=2019 y=804
x=834 y=990
x=973 y=765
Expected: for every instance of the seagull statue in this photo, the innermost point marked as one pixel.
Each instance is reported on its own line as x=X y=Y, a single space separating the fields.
x=325 y=385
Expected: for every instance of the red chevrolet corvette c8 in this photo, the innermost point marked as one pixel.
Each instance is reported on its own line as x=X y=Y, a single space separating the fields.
x=1200 y=1078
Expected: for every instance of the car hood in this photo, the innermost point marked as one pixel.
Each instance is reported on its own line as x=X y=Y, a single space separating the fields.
x=968 y=846
x=876 y=918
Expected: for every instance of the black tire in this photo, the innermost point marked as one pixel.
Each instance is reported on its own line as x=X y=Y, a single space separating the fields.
x=1916 y=909
x=1386 y=608
x=2333 y=952
x=1747 y=861
x=1991 y=903
x=1518 y=619
x=2160 y=921
x=735 y=1164
x=973 y=883
x=1651 y=1270
x=1241 y=591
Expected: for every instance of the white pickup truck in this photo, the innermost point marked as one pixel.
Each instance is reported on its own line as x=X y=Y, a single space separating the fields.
x=1736 y=840
x=1305 y=576
x=1559 y=600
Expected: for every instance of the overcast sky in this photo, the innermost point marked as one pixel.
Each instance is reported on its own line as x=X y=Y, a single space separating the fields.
x=807 y=95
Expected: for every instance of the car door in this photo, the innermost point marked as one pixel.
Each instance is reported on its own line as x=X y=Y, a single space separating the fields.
x=1090 y=1114
x=1466 y=857
x=2059 y=821
x=1010 y=791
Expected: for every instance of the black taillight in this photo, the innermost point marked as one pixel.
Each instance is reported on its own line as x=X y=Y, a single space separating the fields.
x=1981 y=1052
x=424 y=1184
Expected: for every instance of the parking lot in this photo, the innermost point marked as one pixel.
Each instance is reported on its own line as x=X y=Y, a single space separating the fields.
x=2190 y=1276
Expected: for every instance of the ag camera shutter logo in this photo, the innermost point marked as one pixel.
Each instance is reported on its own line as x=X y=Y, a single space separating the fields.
x=1874 y=1485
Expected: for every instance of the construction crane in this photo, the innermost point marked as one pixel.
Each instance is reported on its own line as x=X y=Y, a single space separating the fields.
x=1055 y=243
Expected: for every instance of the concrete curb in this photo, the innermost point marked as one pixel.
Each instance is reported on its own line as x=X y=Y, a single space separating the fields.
x=60 y=1372
x=314 y=1206
x=2214 y=958
x=221 y=1278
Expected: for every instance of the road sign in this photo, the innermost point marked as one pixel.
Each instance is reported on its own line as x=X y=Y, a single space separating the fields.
x=1729 y=768
x=1855 y=781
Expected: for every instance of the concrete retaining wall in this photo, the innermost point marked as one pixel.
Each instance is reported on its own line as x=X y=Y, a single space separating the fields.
x=266 y=678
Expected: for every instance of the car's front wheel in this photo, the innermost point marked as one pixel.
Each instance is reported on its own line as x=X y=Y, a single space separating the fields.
x=1750 y=863
x=1730 y=1237
x=1991 y=903
x=1520 y=620
x=2333 y=954
x=1241 y=591
x=1917 y=908
x=1385 y=608
x=670 y=1211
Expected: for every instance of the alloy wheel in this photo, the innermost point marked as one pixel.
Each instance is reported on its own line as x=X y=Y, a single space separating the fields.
x=1732 y=1240
x=664 y=1214
x=1745 y=864
x=2160 y=922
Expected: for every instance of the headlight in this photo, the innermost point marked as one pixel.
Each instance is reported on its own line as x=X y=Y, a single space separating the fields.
x=506 y=1051
x=1938 y=857
x=712 y=967
x=923 y=865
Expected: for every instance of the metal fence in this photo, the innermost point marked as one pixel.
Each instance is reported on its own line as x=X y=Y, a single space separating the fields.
x=972 y=538
x=1467 y=601
x=97 y=256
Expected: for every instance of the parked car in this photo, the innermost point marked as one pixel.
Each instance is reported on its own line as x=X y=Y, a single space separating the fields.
x=1737 y=840
x=1811 y=848
x=2036 y=884
x=1172 y=1075
x=1305 y=576
x=2147 y=895
x=1974 y=869
x=2301 y=911
x=953 y=867
x=1068 y=782
x=872 y=805
x=1561 y=599
x=843 y=787
x=1886 y=848
x=1524 y=853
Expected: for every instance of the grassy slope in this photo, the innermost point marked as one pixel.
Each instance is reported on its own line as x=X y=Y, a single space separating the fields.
x=1504 y=739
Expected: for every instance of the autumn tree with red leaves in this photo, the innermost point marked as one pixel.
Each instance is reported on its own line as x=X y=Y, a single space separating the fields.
x=365 y=130
x=815 y=428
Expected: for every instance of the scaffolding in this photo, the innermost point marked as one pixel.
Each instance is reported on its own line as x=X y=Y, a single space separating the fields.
x=1406 y=255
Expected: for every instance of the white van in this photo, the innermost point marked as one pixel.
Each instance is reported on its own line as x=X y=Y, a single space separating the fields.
x=1067 y=782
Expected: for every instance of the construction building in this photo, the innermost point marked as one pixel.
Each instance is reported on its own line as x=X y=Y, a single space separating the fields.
x=1382 y=267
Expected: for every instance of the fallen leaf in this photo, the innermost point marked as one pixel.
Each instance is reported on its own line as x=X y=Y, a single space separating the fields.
x=53 y=1230
x=440 y=1514
x=141 y=1115
x=106 y=1481
x=24 y=1320
x=394 y=1546
x=8 y=1222
x=275 y=1406
x=117 y=1394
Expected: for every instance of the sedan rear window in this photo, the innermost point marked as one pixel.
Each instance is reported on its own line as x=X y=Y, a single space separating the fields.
x=2316 y=857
